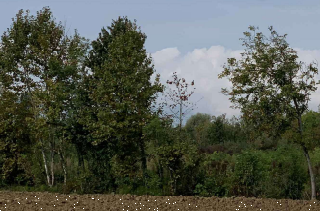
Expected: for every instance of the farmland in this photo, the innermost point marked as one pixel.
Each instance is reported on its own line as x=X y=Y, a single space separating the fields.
x=52 y=201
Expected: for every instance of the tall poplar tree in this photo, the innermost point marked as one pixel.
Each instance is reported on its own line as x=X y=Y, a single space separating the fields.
x=122 y=92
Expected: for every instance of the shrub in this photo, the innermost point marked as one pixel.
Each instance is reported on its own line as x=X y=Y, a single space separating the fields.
x=248 y=174
x=214 y=181
x=286 y=173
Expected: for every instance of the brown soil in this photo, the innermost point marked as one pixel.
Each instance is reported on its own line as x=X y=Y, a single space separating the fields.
x=50 y=201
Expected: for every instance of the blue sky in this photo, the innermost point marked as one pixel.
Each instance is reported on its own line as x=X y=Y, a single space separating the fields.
x=192 y=37
x=186 y=24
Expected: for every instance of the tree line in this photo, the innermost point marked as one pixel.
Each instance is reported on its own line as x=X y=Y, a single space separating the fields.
x=81 y=116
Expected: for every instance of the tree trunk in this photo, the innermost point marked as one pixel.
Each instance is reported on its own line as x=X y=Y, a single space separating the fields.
x=80 y=159
x=160 y=170
x=80 y=164
x=313 y=184
x=143 y=160
x=45 y=166
x=144 y=164
x=52 y=163
x=306 y=154
x=171 y=181
x=180 y=115
x=63 y=164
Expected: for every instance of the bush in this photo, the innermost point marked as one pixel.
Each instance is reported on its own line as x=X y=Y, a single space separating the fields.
x=315 y=159
x=215 y=181
x=192 y=171
x=248 y=174
x=211 y=187
x=286 y=173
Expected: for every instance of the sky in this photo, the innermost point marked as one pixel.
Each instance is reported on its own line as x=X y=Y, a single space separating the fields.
x=191 y=37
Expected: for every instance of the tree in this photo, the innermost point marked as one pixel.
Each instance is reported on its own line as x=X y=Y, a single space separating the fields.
x=217 y=130
x=122 y=93
x=270 y=86
x=40 y=63
x=197 y=126
x=178 y=98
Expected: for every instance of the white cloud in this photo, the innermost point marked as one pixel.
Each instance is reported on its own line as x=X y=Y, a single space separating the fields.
x=308 y=56
x=165 y=56
x=203 y=66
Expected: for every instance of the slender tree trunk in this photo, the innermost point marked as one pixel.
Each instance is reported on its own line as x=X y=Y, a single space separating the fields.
x=306 y=154
x=171 y=181
x=143 y=160
x=63 y=164
x=160 y=170
x=52 y=163
x=82 y=163
x=180 y=115
x=45 y=166
x=79 y=162
x=80 y=159
x=313 y=184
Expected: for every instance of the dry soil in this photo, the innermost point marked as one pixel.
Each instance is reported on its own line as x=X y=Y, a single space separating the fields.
x=50 y=201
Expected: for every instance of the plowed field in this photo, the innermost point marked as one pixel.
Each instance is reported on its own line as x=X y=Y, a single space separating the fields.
x=50 y=201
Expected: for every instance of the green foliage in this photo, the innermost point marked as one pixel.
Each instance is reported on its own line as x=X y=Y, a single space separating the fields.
x=217 y=132
x=158 y=131
x=94 y=112
x=197 y=126
x=171 y=156
x=100 y=165
x=315 y=156
x=136 y=185
x=215 y=181
x=247 y=174
x=311 y=128
x=286 y=173
x=192 y=172
x=14 y=140
x=270 y=86
x=263 y=80
x=39 y=64
x=210 y=188
x=180 y=159
x=121 y=93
